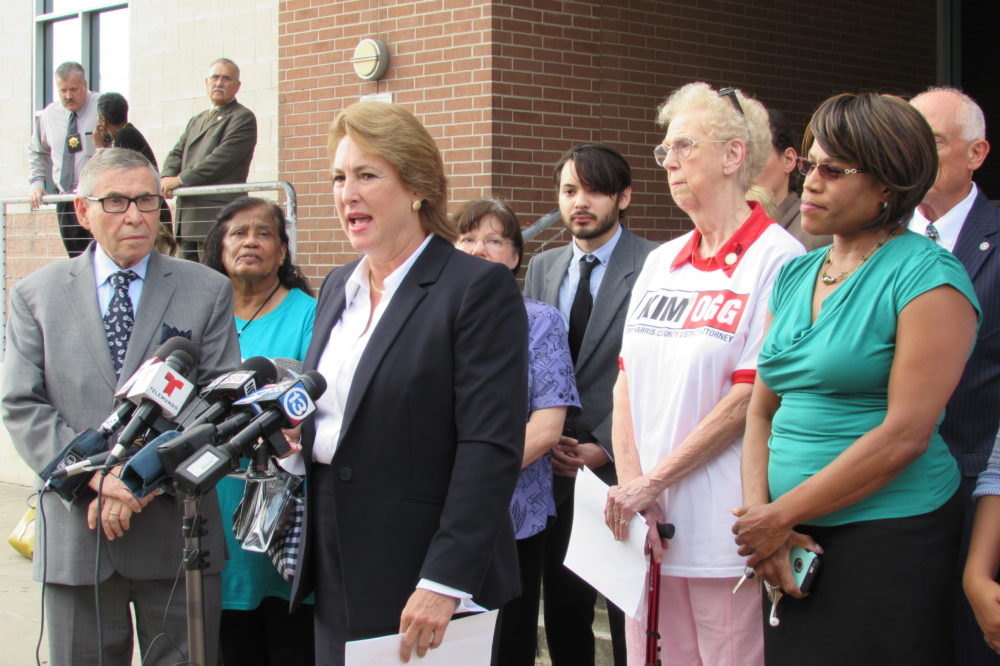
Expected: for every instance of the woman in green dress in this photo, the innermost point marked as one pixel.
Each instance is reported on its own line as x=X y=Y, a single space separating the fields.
x=842 y=455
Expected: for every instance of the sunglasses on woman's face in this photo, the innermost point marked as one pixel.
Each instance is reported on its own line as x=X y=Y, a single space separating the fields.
x=826 y=171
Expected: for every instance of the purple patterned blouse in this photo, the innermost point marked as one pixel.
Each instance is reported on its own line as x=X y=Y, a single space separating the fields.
x=551 y=383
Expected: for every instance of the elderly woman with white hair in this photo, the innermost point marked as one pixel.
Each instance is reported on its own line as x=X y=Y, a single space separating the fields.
x=688 y=362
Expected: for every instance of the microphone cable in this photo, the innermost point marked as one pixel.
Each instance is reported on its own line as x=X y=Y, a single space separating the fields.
x=45 y=566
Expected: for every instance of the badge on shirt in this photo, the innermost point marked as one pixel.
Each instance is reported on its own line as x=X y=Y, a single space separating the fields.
x=73 y=143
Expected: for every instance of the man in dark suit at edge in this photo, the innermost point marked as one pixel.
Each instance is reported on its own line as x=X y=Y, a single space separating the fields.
x=958 y=216
x=215 y=149
x=595 y=188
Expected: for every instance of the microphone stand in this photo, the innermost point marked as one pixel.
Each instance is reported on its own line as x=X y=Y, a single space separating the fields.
x=195 y=563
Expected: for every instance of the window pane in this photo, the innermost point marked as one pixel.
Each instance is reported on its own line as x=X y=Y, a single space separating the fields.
x=65 y=43
x=60 y=6
x=113 y=50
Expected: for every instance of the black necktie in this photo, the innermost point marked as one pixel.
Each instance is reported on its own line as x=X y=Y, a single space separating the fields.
x=66 y=176
x=120 y=317
x=583 y=303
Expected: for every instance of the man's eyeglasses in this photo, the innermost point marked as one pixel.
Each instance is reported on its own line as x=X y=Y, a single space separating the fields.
x=146 y=203
x=682 y=149
x=492 y=244
x=826 y=171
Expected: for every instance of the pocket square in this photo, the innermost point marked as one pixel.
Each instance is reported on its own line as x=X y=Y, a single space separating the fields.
x=171 y=332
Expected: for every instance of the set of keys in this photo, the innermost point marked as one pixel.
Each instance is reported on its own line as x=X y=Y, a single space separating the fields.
x=773 y=593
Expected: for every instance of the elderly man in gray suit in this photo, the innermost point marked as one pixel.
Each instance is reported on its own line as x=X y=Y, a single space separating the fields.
x=589 y=281
x=215 y=149
x=60 y=376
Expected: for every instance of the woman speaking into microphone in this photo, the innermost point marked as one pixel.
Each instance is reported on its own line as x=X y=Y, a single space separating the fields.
x=417 y=444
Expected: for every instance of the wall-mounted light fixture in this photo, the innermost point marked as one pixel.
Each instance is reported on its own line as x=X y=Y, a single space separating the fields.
x=371 y=58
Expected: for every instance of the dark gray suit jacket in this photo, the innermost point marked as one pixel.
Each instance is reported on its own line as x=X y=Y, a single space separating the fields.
x=58 y=380
x=597 y=363
x=972 y=415
x=214 y=154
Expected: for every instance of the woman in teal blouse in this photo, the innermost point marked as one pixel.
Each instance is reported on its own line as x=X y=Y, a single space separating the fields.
x=842 y=455
x=274 y=313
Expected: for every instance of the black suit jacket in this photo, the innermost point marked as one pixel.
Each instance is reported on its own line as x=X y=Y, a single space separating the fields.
x=431 y=442
x=972 y=416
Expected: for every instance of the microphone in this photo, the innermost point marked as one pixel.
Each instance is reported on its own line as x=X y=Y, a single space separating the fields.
x=164 y=390
x=155 y=462
x=279 y=406
x=73 y=459
x=252 y=374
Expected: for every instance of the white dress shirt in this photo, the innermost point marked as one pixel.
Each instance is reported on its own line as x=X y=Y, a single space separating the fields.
x=948 y=225
x=104 y=268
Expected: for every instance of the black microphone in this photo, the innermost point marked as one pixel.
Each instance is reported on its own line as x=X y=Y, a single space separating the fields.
x=279 y=406
x=253 y=373
x=73 y=459
x=164 y=390
x=156 y=462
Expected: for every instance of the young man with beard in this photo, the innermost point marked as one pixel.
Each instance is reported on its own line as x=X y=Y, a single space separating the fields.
x=589 y=281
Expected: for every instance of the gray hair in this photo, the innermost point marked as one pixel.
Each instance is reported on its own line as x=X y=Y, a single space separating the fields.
x=721 y=121
x=69 y=69
x=970 y=118
x=226 y=61
x=113 y=159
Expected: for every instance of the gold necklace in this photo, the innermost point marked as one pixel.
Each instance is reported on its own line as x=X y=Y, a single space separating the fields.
x=371 y=283
x=829 y=279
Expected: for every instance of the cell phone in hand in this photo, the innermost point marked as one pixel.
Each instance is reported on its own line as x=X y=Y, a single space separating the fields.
x=804 y=565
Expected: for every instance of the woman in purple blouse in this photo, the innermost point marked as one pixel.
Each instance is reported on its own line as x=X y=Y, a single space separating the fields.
x=489 y=229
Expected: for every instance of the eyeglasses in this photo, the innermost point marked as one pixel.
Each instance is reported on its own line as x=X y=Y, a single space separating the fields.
x=826 y=171
x=731 y=94
x=492 y=244
x=146 y=203
x=682 y=149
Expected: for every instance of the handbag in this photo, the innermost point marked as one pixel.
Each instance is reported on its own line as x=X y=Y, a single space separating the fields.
x=22 y=538
x=284 y=549
x=270 y=508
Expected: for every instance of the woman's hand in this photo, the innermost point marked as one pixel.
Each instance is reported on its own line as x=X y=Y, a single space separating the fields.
x=654 y=544
x=776 y=568
x=984 y=597
x=759 y=531
x=636 y=496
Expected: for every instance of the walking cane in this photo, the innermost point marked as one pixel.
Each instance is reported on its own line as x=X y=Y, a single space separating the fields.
x=666 y=531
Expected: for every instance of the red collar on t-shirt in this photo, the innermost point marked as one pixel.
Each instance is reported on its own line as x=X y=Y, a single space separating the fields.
x=735 y=248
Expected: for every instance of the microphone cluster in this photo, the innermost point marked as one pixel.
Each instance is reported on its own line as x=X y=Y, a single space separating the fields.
x=244 y=406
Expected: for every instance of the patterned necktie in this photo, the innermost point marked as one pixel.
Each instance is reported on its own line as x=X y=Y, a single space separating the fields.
x=932 y=232
x=583 y=303
x=67 y=175
x=120 y=317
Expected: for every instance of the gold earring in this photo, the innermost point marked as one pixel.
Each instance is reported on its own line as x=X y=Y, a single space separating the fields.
x=415 y=206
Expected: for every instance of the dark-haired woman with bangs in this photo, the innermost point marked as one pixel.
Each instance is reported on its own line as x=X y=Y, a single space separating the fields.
x=842 y=455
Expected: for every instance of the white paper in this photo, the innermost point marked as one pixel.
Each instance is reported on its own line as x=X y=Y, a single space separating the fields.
x=467 y=642
x=616 y=569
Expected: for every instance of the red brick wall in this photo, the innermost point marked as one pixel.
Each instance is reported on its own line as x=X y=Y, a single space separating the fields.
x=505 y=87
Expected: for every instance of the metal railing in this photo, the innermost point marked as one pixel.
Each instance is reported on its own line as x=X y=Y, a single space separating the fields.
x=291 y=214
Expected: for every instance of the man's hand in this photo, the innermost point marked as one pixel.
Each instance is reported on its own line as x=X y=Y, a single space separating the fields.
x=168 y=184
x=117 y=506
x=102 y=139
x=424 y=621
x=36 y=194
